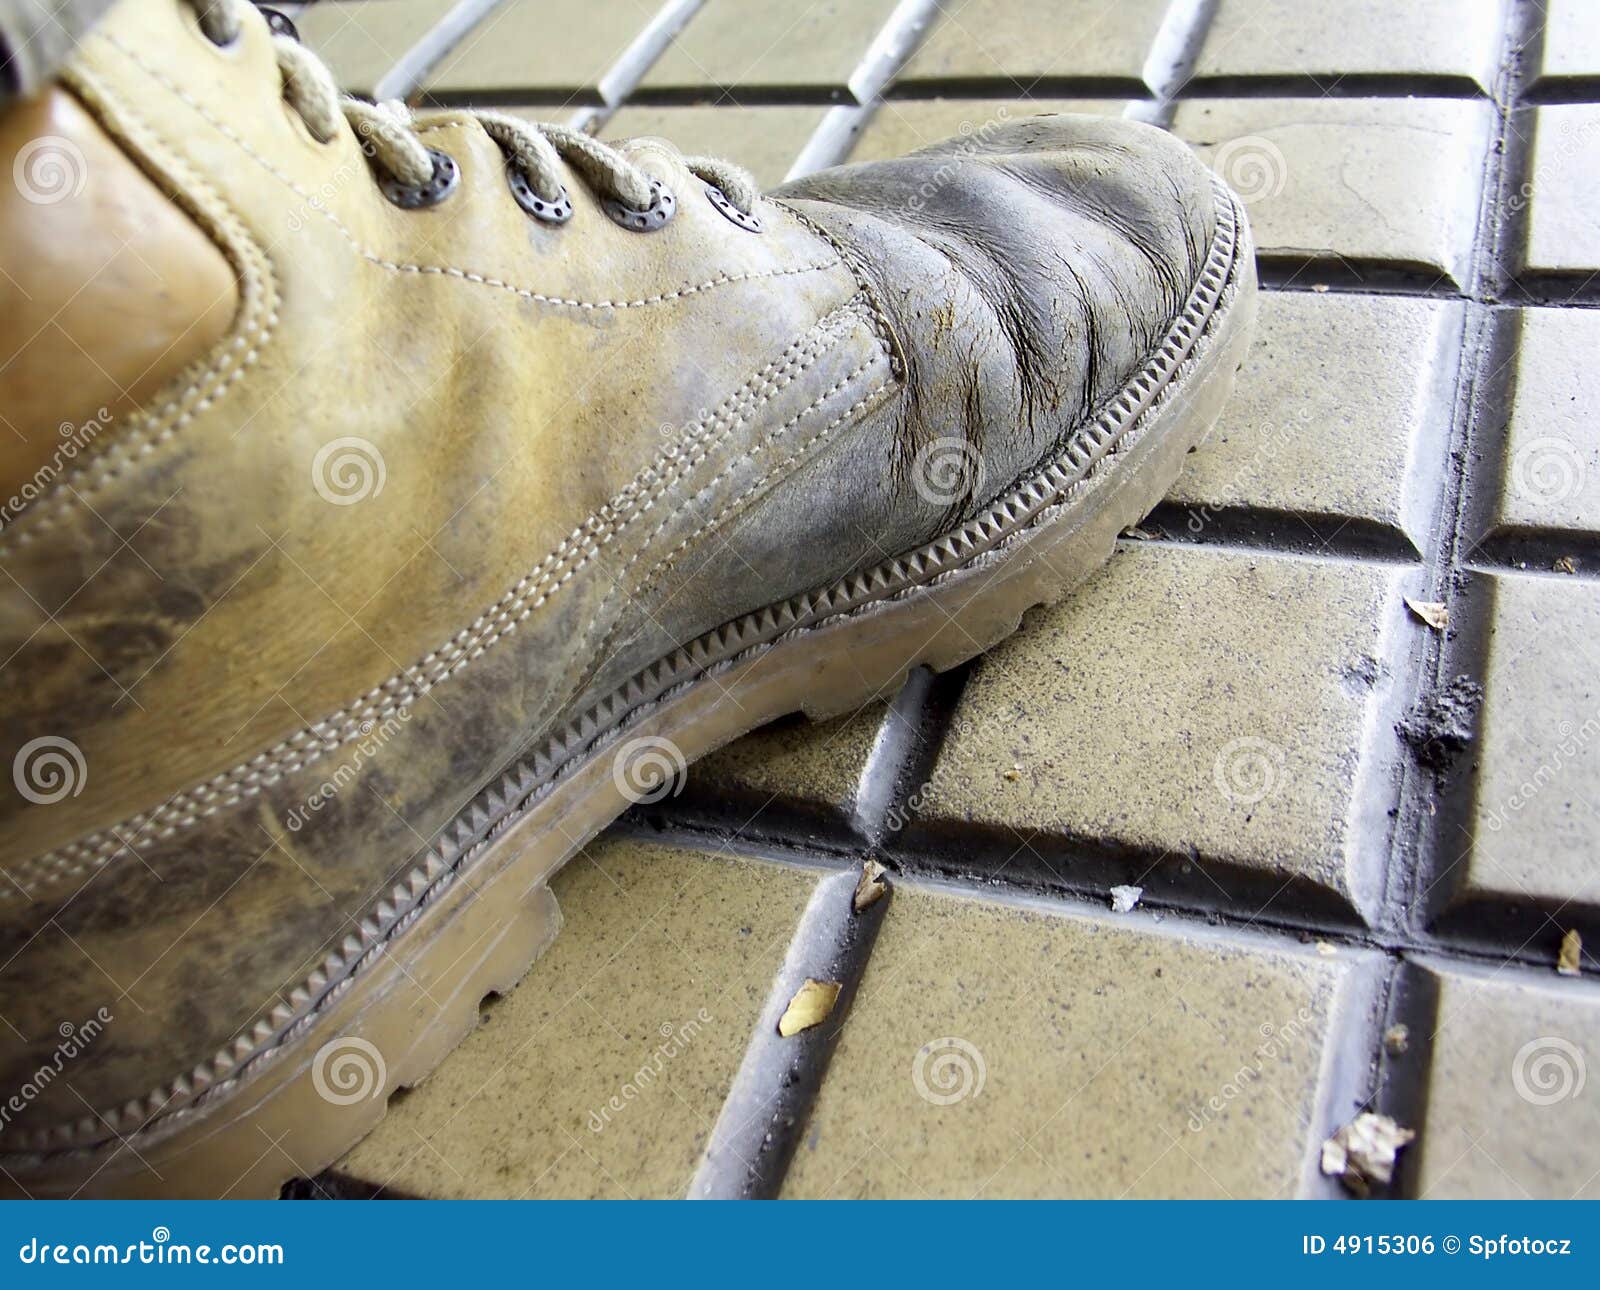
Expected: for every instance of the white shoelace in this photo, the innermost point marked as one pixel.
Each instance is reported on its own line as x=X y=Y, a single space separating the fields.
x=387 y=129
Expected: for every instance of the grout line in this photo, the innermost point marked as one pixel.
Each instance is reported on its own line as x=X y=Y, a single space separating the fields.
x=1413 y=867
x=764 y=1115
x=406 y=76
x=890 y=756
x=1345 y=1080
x=1016 y=887
x=1170 y=63
x=834 y=138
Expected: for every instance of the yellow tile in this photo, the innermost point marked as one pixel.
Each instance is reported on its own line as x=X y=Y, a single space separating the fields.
x=1511 y=1107
x=361 y=40
x=1024 y=40
x=542 y=49
x=998 y=1051
x=900 y=126
x=765 y=140
x=1194 y=703
x=748 y=45
x=603 y=1072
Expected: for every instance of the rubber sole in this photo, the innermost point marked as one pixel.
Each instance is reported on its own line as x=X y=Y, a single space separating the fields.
x=325 y=1083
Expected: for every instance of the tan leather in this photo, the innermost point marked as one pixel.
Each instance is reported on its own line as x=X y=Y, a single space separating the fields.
x=107 y=289
x=453 y=472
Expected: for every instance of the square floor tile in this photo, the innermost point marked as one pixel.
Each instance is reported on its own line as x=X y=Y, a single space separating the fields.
x=1511 y=1107
x=1536 y=818
x=1571 y=40
x=1355 y=185
x=904 y=125
x=1018 y=44
x=1195 y=715
x=997 y=1050
x=1334 y=44
x=361 y=40
x=1340 y=415
x=754 y=49
x=765 y=140
x=541 y=52
x=1564 y=209
x=1546 y=478
x=603 y=1072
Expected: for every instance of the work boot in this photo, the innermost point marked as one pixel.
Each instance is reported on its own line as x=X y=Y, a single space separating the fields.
x=401 y=498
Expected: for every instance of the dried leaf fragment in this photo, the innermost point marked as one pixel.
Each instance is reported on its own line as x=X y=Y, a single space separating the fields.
x=1565 y=564
x=1570 y=963
x=1397 y=1038
x=870 y=887
x=811 y=1006
x=1123 y=899
x=1433 y=612
x=1363 y=1152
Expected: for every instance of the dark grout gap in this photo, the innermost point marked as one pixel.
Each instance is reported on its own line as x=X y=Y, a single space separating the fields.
x=1353 y=85
x=1275 y=532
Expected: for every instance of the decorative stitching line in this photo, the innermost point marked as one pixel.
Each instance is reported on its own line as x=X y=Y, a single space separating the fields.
x=446 y=270
x=249 y=778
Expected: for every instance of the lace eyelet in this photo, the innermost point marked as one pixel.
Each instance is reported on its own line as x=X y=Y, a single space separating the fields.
x=413 y=197
x=279 y=24
x=556 y=212
x=646 y=219
x=750 y=223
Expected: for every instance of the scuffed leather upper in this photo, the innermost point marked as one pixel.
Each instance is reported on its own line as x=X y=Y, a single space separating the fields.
x=454 y=473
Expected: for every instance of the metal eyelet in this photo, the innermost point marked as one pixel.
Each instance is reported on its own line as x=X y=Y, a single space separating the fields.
x=279 y=24
x=556 y=212
x=412 y=197
x=750 y=223
x=647 y=219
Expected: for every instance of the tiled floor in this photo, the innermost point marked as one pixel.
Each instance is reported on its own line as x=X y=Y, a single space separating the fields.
x=1336 y=915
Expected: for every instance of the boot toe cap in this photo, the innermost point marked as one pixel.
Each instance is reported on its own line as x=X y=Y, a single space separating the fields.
x=1028 y=270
